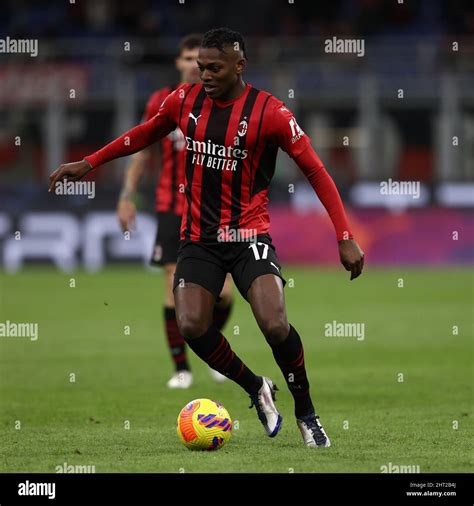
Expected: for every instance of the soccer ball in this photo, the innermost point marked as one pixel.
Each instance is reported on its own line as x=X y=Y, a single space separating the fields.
x=204 y=425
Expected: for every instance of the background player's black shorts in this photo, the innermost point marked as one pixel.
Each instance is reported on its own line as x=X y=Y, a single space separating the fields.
x=167 y=239
x=207 y=264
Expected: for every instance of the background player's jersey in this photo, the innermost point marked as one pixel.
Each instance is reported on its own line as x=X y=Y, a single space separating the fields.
x=169 y=194
x=231 y=150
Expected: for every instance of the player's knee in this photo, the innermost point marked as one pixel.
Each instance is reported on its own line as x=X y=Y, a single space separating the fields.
x=191 y=326
x=275 y=330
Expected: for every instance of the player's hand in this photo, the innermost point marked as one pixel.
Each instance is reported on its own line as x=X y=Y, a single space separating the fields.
x=71 y=171
x=352 y=257
x=126 y=213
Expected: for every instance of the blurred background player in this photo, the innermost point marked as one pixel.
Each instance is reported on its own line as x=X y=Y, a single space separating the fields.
x=169 y=196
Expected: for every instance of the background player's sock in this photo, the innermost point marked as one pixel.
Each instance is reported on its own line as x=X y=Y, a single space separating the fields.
x=221 y=315
x=289 y=355
x=176 y=342
x=215 y=350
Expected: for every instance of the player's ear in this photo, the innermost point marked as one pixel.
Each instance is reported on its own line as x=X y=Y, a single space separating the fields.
x=240 y=65
x=177 y=63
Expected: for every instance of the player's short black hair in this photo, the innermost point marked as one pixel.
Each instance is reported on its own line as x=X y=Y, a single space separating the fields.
x=190 y=42
x=224 y=37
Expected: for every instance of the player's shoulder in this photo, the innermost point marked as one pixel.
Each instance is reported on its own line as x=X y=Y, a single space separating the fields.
x=274 y=107
x=278 y=106
x=188 y=86
x=157 y=97
x=272 y=104
x=183 y=89
x=166 y=90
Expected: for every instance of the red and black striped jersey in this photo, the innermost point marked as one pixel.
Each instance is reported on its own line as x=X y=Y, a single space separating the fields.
x=230 y=156
x=231 y=150
x=169 y=192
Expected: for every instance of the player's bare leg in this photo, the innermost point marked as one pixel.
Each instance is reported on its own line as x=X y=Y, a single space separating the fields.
x=266 y=297
x=194 y=309
x=194 y=312
x=224 y=304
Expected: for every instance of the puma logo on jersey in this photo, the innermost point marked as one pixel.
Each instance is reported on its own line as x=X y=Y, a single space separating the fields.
x=191 y=115
x=276 y=267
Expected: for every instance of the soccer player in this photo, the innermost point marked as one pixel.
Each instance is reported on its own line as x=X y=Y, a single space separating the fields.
x=233 y=132
x=169 y=206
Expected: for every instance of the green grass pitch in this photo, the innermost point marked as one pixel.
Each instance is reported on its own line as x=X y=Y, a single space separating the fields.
x=372 y=417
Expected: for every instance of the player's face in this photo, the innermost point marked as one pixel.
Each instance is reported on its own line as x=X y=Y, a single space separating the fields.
x=220 y=70
x=187 y=66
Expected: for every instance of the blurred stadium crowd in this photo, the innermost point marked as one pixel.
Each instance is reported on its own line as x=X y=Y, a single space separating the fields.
x=171 y=18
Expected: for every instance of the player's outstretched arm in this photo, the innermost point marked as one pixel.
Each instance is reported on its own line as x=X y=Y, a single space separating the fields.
x=286 y=133
x=351 y=255
x=130 y=142
x=72 y=171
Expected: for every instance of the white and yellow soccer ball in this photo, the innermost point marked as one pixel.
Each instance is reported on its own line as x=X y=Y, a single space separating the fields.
x=204 y=425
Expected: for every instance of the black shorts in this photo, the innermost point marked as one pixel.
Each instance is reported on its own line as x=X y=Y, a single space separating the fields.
x=207 y=264
x=167 y=239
